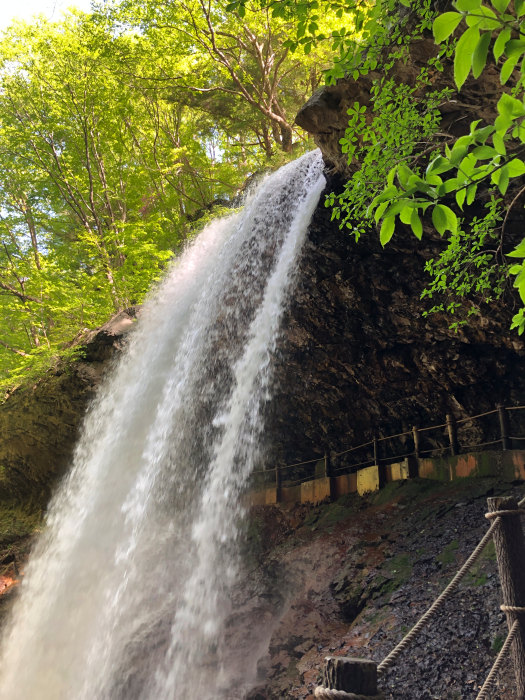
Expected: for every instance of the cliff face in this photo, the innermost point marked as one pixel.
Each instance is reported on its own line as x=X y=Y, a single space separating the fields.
x=39 y=423
x=358 y=356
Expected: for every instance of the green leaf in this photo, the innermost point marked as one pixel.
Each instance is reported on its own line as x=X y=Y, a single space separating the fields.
x=507 y=69
x=438 y=165
x=448 y=186
x=519 y=251
x=445 y=24
x=510 y=107
x=452 y=219
x=479 y=57
x=439 y=219
x=467 y=5
x=387 y=230
x=484 y=152
x=463 y=56
x=515 y=47
x=483 y=18
x=403 y=175
x=515 y=167
x=460 y=149
x=499 y=44
x=500 y=5
x=499 y=144
x=380 y=211
x=415 y=223
x=460 y=198
x=406 y=214
x=471 y=193
x=503 y=179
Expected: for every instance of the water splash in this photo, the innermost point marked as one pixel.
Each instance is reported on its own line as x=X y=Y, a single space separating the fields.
x=127 y=593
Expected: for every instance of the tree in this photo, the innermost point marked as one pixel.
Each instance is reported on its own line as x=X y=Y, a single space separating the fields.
x=233 y=61
x=99 y=178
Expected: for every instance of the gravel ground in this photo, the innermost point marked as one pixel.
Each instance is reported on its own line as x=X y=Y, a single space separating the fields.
x=351 y=578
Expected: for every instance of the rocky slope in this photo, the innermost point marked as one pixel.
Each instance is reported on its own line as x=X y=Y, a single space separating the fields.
x=350 y=578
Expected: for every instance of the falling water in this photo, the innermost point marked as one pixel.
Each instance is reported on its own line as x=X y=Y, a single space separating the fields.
x=127 y=592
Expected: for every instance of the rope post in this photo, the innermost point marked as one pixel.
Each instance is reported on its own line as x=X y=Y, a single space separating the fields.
x=504 y=427
x=278 y=485
x=415 y=434
x=347 y=677
x=510 y=552
x=452 y=434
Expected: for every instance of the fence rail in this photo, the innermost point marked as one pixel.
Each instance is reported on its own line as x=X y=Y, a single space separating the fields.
x=415 y=442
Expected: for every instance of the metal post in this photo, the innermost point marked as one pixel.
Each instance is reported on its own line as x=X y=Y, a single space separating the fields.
x=415 y=433
x=358 y=676
x=510 y=552
x=504 y=427
x=376 y=451
x=452 y=434
x=327 y=464
x=329 y=473
x=278 y=485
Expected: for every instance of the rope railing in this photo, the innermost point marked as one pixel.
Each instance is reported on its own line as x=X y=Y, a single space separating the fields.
x=489 y=681
x=356 y=678
x=508 y=508
x=453 y=447
x=389 y=660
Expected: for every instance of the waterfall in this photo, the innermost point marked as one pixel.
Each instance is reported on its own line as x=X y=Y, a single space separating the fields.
x=127 y=593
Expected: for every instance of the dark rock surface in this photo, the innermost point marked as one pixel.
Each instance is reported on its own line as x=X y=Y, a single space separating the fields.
x=357 y=355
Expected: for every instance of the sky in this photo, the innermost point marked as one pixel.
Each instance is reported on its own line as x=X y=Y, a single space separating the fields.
x=25 y=9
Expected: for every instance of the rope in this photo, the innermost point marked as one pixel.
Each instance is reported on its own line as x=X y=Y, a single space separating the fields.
x=330 y=694
x=515 y=609
x=391 y=437
x=498 y=513
x=436 y=605
x=479 y=415
x=480 y=444
x=300 y=464
x=431 y=427
x=483 y=693
x=353 y=449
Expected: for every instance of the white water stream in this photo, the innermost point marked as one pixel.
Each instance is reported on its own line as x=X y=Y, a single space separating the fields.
x=127 y=593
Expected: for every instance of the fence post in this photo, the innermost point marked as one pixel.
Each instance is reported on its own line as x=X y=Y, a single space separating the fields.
x=327 y=464
x=278 y=485
x=504 y=427
x=510 y=552
x=356 y=676
x=415 y=433
x=376 y=450
x=452 y=434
